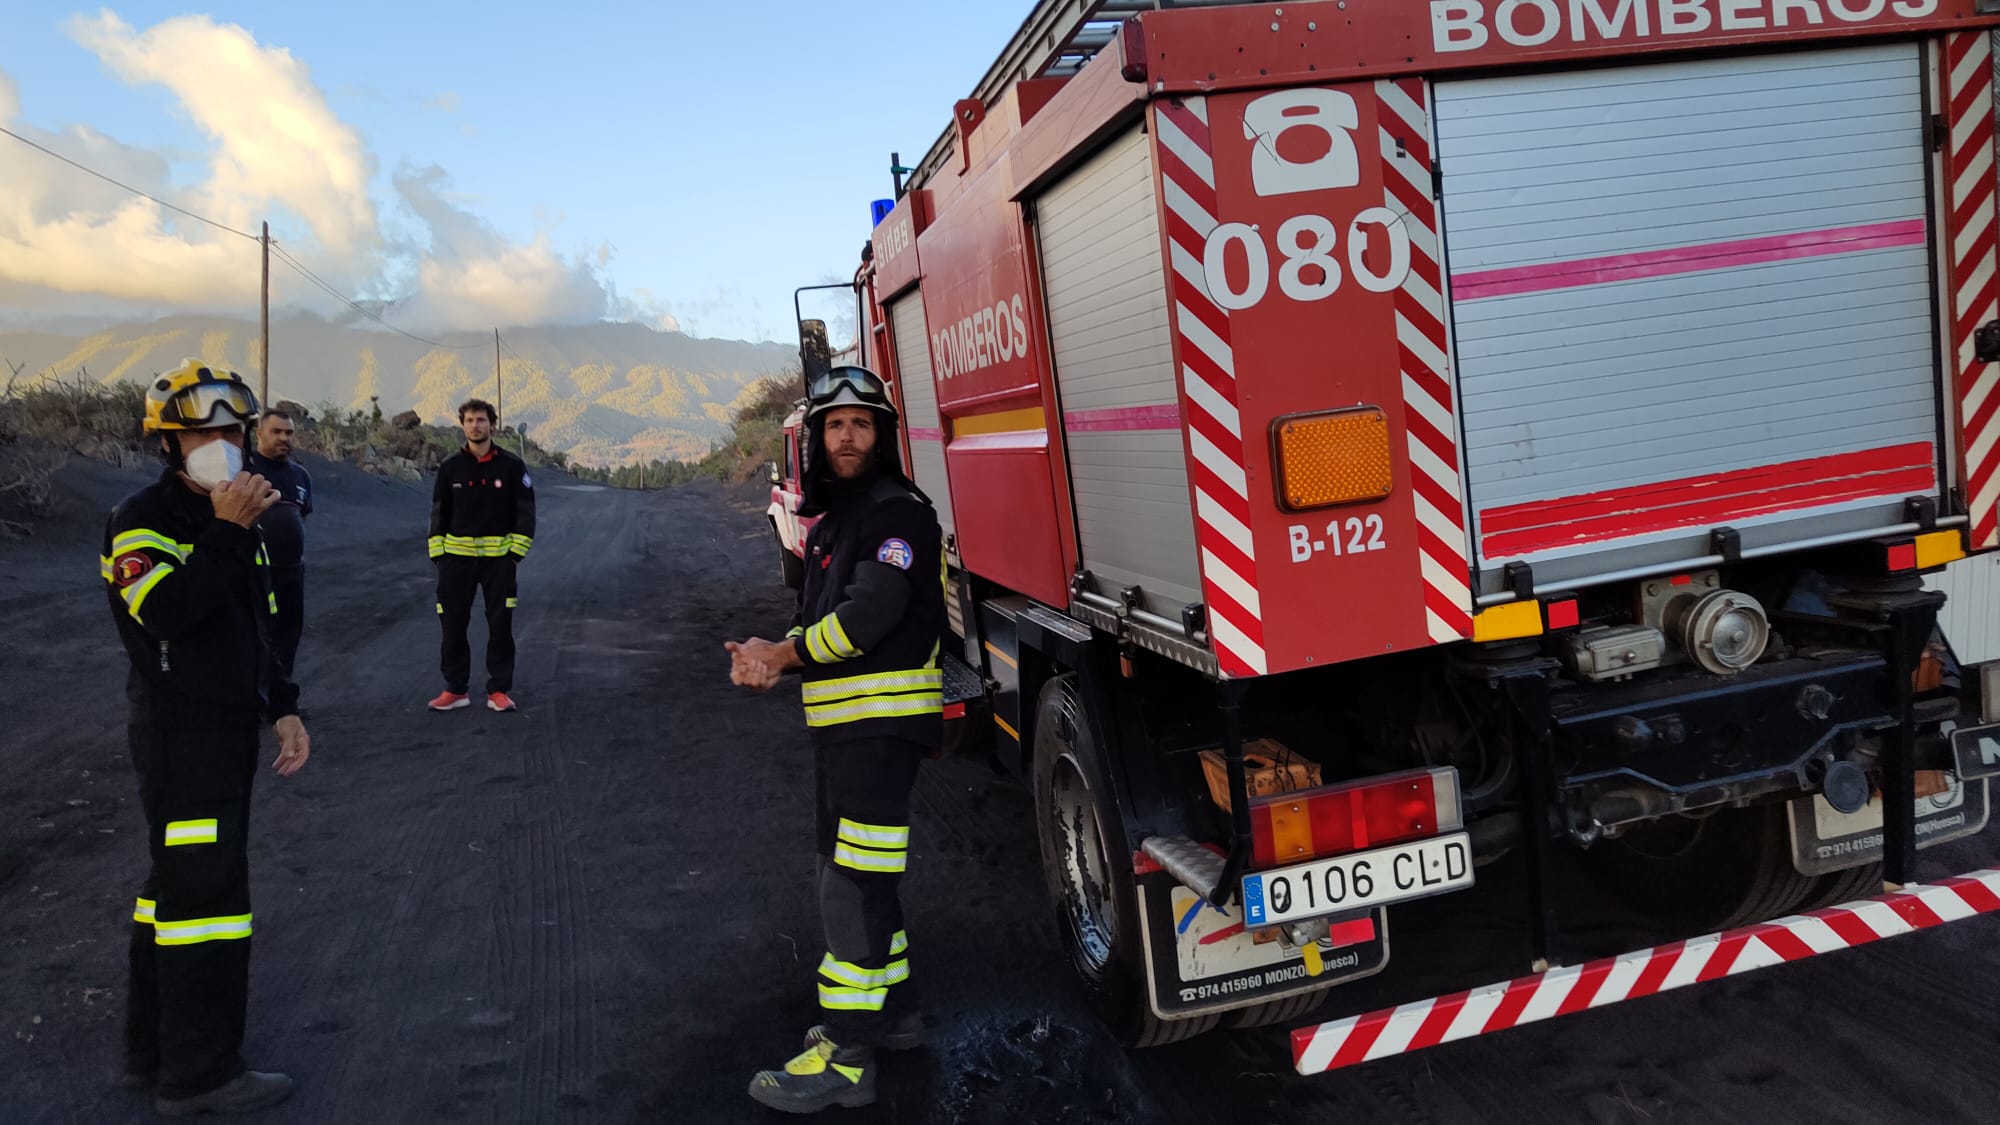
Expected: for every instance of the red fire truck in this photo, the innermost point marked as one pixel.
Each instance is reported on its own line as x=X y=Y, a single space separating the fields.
x=1392 y=449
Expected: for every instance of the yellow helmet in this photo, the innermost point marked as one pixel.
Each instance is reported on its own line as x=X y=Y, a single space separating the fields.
x=197 y=396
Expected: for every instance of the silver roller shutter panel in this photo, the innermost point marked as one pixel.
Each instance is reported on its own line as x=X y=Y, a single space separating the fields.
x=1778 y=355
x=1099 y=235
x=913 y=367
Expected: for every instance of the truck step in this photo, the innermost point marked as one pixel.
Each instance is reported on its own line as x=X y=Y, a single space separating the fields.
x=1197 y=868
x=961 y=683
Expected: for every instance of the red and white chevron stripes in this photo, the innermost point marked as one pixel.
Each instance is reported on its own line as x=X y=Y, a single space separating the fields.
x=1422 y=343
x=1971 y=230
x=1559 y=992
x=1208 y=393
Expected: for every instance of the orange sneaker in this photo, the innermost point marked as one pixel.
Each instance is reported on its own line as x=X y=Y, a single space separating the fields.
x=450 y=701
x=498 y=701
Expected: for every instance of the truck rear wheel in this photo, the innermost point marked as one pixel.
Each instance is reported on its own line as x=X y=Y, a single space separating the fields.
x=1840 y=887
x=1089 y=872
x=1289 y=1010
x=1729 y=868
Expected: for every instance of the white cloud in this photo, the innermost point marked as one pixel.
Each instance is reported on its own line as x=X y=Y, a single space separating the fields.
x=283 y=154
x=471 y=277
x=281 y=145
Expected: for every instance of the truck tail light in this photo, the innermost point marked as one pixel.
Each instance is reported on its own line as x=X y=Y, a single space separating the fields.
x=1929 y=551
x=1339 y=457
x=1353 y=816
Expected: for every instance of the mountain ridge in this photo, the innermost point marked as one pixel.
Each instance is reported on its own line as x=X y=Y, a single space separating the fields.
x=608 y=393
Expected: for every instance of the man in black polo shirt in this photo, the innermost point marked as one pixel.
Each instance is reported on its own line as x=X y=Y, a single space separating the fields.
x=284 y=528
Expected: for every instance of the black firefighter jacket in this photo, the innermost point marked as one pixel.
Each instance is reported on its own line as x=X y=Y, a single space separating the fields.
x=192 y=598
x=871 y=616
x=482 y=507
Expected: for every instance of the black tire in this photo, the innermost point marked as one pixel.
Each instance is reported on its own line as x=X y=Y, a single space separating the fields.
x=1291 y=1009
x=1089 y=873
x=1834 y=889
x=792 y=567
x=1714 y=872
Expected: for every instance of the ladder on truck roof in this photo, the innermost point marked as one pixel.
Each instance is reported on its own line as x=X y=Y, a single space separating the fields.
x=1056 y=39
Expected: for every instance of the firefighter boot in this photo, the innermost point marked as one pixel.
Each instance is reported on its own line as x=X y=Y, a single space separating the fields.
x=821 y=1077
x=906 y=1034
x=248 y=1091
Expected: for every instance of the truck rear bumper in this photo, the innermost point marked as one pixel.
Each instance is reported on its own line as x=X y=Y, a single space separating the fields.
x=1531 y=999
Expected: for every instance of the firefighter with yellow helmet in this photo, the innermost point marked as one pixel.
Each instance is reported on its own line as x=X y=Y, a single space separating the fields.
x=188 y=582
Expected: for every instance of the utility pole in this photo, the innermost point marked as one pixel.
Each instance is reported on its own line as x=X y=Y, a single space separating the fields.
x=264 y=347
x=499 y=390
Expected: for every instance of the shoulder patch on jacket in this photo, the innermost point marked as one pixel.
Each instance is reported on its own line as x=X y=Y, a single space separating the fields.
x=130 y=567
x=896 y=553
x=527 y=481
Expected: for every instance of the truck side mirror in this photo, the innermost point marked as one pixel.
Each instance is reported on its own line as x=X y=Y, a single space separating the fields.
x=815 y=352
x=771 y=472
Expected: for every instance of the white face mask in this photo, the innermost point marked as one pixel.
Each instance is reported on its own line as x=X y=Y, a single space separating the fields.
x=214 y=464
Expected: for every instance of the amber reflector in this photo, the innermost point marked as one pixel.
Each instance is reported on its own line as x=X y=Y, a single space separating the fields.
x=1337 y=458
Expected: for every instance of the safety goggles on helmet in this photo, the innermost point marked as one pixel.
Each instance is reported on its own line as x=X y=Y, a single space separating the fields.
x=198 y=397
x=847 y=386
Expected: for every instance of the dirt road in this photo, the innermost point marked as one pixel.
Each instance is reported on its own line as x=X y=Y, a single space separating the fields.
x=598 y=909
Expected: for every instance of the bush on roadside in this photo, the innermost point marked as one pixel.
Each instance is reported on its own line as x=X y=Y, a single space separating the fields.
x=44 y=421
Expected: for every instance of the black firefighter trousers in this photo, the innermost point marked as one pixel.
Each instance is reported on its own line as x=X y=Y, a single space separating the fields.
x=190 y=951
x=863 y=824
x=457 y=578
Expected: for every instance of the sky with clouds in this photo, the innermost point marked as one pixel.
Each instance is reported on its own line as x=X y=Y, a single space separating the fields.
x=683 y=165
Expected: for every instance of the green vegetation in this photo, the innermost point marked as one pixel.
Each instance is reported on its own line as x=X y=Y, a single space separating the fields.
x=756 y=435
x=401 y=445
x=43 y=423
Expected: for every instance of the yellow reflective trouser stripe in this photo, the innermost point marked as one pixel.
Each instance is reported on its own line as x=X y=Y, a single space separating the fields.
x=140 y=538
x=143 y=911
x=190 y=832
x=899 y=943
x=887 y=707
x=193 y=931
x=835 y=998
x=874 y=683
x=854 y=976
x=440 y=606
x=436 y=545
x=135 y=594
x=874 y=835
x=513 y=603
x=866 y=859
x=520 y=542
x=274 y=603
x=478 y=546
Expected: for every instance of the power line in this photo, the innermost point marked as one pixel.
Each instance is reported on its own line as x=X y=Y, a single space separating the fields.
x=128 y=187
x=294 y=263
x=309 y=275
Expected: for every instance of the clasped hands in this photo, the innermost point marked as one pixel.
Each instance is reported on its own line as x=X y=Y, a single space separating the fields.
x=759 y=664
